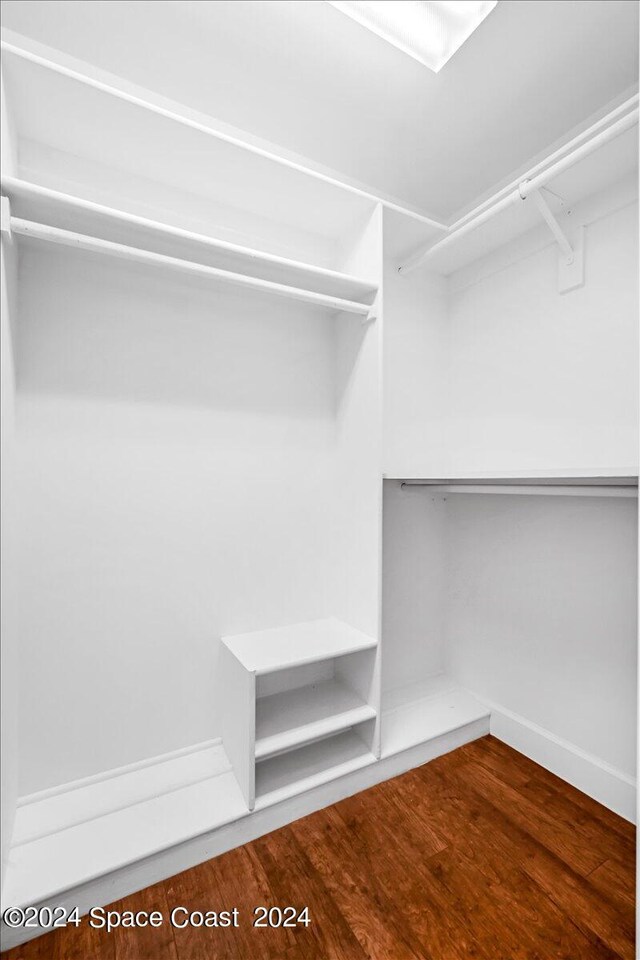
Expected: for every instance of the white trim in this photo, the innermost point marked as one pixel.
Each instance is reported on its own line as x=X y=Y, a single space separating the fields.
x=118 y=771
x=593 y=776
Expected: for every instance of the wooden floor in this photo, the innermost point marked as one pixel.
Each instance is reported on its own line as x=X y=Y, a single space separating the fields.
x=479 y=854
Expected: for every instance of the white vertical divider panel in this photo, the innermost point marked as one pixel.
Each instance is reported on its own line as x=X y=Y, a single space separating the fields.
x=8 y=486
x=358 y=539
x=237 y=692
x=360 y=672
x=416 y=337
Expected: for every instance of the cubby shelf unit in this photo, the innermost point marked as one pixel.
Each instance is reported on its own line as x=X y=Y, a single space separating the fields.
x=300 y=705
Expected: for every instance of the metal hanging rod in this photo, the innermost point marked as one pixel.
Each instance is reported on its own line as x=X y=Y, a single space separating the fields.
x=591 y=131
x=531 y=185
x=530 y=489
x=43 y=232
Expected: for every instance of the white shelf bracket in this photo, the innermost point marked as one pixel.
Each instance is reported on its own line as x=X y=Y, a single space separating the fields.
x=5 y=219
x=371 y=317
x=571 y=259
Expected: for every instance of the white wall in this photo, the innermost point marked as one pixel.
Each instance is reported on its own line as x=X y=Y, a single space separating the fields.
x=9 y=626
x=9 y=635
x=414 y=586
x=542 y=380
x=541 y=613
x=506 y=374
x=415 y=375
x=176 y=460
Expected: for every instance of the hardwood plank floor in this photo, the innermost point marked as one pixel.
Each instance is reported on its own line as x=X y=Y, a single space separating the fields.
x=478 y=854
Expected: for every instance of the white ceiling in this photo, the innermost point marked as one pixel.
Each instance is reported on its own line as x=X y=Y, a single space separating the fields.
x=302 y=75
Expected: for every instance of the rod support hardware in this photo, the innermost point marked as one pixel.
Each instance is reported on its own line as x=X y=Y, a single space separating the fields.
x=620 y=119
x=549 y=218
x=571 y=259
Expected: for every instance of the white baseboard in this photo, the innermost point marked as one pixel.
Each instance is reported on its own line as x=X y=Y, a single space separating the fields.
x=610 y=787
x=66 y=788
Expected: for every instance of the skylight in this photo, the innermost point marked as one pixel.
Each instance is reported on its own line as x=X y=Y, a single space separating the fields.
x=428 y=30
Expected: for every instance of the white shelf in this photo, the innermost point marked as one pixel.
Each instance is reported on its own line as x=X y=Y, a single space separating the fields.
x=569 y=483
x=285 y=720
x=418 y=714
x=206 y=158
x=32 y=201
x=40 y=232
x=596 y=476
x=85 y=832
x=266 y=651
x=307 y=767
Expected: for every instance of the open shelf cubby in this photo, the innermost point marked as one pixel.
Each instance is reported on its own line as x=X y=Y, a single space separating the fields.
x=301 y=705
x=287 y=719
x=281 y=776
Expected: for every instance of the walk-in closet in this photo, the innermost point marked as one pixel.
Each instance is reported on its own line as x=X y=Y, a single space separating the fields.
x=320 y=443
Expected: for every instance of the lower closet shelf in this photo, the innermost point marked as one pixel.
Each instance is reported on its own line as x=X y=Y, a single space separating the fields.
x=68 y=838
x=284 y=720
x=82 y=846
x=424 y=712
x=283 y=776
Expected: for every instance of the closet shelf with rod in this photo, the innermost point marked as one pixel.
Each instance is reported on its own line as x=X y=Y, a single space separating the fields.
x=209 y=170
x=601 y=154
x=42 y=232
x=32 y=201
x=586 y=485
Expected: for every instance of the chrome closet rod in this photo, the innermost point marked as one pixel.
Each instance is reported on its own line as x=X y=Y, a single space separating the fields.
x=535 y=490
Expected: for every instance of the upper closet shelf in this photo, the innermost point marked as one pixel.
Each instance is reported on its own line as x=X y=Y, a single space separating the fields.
x=117 y=148
x=266 y=651
x=50 y=207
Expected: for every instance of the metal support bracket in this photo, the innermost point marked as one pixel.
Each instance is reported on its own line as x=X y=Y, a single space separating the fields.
x=571 y=259
x=5 y=218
